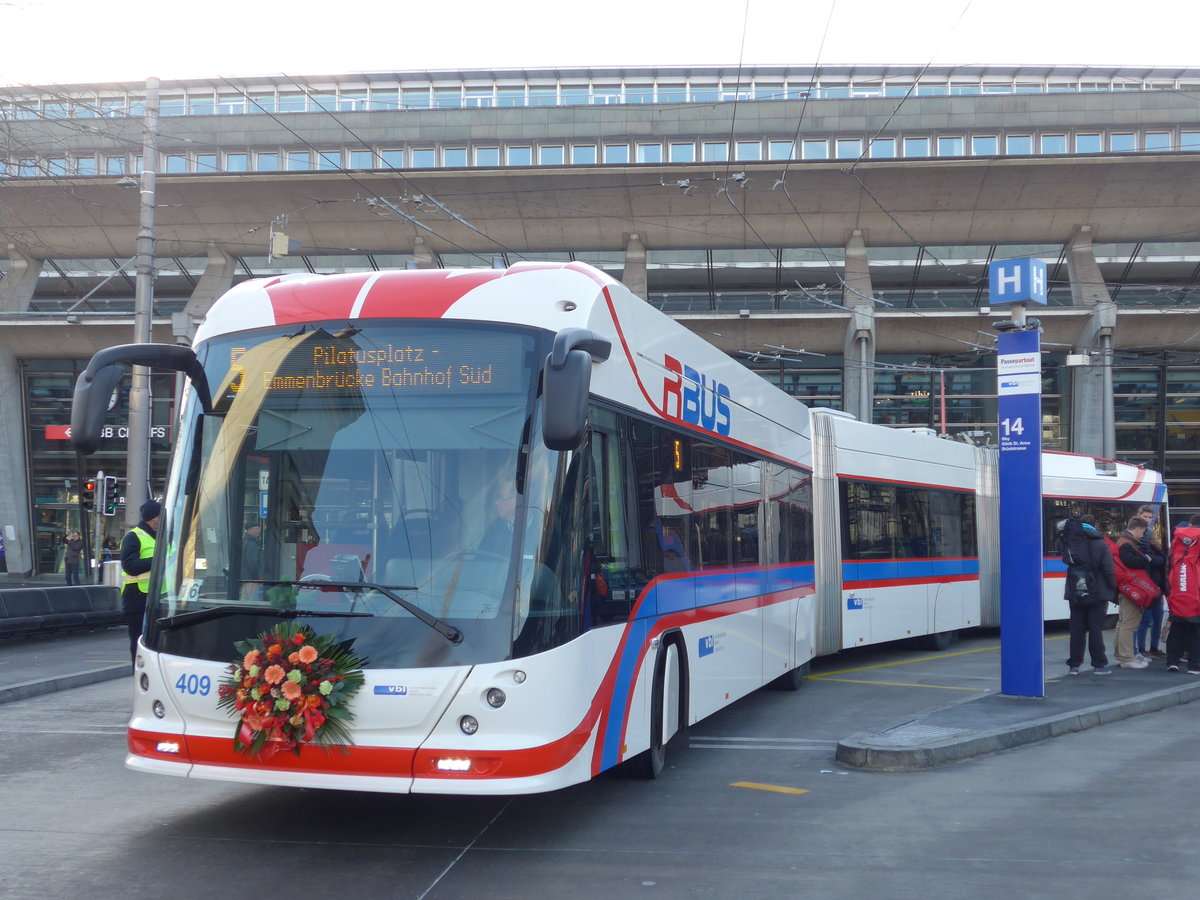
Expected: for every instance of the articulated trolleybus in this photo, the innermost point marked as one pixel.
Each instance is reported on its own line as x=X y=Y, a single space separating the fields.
x=674 y=532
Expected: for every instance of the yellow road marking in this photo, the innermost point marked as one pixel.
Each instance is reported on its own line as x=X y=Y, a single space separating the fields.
x=774 y=788
x=940 y=687
x=905 y=662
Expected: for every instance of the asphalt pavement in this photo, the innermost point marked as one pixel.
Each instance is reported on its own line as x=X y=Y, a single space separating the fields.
x=987 y=722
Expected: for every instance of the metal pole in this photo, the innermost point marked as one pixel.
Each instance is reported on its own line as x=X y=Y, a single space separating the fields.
x=138 y=474
x=97 y=539
x=1109 y=439
x=942 y=398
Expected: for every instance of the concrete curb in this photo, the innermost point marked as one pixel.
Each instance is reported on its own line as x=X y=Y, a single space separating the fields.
x=877 y=755
x=27 y=689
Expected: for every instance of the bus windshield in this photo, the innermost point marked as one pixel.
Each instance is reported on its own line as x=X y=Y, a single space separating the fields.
x=375 y=484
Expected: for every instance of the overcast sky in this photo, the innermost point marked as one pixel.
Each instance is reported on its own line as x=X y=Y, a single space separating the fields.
x=80 y=41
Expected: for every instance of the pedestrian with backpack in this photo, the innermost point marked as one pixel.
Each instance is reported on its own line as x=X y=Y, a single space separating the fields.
x=1183 y=598
x=1135 y=592
x=1091 y=586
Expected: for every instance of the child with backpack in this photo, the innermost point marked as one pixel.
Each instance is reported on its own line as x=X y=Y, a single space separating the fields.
x=1183 y=599
x=1091 y=585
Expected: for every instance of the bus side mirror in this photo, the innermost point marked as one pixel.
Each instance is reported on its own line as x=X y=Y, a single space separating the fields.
x=96 y=384
x=90 y=405
x=566 y=379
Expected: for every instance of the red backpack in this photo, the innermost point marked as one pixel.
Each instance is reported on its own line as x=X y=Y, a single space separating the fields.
x=1184 y=580
x=1136 y=584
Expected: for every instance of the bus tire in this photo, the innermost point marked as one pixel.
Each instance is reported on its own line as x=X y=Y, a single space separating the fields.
x=650 y=763
x=943 y=640
x=791 y=680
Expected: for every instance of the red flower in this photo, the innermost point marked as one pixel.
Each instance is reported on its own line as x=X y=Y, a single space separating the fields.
x=299 y=638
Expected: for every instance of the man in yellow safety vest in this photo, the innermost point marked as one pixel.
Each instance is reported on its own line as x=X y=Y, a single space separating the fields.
x=137 y=552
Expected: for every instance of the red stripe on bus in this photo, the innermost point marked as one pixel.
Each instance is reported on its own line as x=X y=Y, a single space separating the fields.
x=396 y=762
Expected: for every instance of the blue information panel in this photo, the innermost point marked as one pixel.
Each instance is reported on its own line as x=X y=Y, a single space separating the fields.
x=1019 y=395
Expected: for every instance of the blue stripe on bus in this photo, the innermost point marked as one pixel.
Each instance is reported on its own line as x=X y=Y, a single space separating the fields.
x=668 y=597
x=908 y=569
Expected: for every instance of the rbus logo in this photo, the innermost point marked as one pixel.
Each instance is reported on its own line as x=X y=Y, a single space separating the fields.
x=695 y=398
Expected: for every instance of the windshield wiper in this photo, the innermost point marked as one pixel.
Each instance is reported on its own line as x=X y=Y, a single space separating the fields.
x=446 y=630
x=170 y=623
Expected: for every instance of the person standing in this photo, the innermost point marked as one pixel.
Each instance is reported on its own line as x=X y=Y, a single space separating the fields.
x=1088 y=614
x=73 y=556
x=1128 y=549
x=1183 y=600
x=1152 y=616
x=252 y=554
x=137 y=554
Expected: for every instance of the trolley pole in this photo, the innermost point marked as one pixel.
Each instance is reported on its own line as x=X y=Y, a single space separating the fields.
x=138 y=474
x=1019 y=415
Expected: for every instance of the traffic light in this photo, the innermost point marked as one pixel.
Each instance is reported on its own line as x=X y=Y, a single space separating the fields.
x=88 y=496
x=109 y=506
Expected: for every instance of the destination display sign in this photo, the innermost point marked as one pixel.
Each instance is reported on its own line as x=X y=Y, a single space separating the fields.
x=447 y=363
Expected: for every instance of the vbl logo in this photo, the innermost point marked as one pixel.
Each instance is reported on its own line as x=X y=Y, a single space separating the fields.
x=695 y=398
x=708 y=645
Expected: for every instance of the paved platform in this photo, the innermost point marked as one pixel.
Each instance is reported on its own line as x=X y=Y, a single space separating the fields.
x=43 y=663
x=994 y=721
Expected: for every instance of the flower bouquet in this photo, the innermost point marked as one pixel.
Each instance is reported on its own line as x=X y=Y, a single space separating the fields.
x=290 y=687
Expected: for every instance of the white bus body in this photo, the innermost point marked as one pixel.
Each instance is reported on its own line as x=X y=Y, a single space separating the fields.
x=708 y=536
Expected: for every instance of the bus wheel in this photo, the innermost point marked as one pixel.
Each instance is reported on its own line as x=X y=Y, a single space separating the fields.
x=943 y=640
x=650 y=763
x=792 y=680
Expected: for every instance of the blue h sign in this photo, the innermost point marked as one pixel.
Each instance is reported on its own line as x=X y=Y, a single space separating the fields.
x=1017 y=281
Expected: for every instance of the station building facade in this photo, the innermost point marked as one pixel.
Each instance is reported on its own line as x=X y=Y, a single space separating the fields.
x=831 y=227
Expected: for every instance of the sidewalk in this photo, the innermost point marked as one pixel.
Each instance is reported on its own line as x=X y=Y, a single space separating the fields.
x=994 y=721
x=45 y=663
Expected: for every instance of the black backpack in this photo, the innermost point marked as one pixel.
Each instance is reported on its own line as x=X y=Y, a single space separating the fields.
x=1081 y=588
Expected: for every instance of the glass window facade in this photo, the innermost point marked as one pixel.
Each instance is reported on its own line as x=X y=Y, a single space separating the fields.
x=47 y=386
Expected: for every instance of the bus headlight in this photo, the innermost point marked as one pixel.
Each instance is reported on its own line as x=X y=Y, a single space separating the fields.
x=496 y=698
x=144 y=682
x=468 y=724
x=160 y=711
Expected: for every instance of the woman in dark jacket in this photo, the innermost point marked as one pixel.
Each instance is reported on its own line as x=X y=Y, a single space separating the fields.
x=73 y=556
x=1088 y=621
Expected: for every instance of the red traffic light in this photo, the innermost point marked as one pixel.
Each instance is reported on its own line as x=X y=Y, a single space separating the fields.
x=89 y=485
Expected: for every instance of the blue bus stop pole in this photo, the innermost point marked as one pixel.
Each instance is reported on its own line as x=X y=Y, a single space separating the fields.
x=1022 y=670
x=1019 y=415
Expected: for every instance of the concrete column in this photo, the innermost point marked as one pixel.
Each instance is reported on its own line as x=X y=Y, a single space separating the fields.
x=634 y=275
x=858 y=351
x=216 y=280
x=14 y=487
x=422 y=256
x=1093 y=431
x=17 y=287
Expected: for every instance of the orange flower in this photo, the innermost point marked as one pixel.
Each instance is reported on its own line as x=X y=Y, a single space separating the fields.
x=275 y=650
x=250 y=659
x=291 y=690
x=274 y=674
x=293 y=658
x=308 y=653
x=314 y=700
